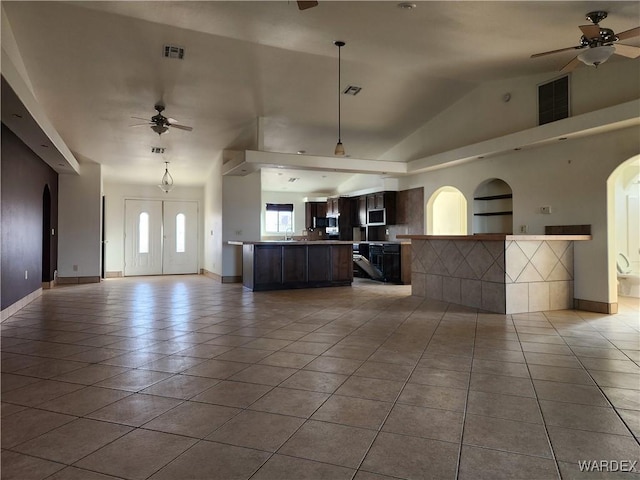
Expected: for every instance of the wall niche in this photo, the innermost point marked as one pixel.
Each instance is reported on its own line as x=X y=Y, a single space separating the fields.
x=493 y=207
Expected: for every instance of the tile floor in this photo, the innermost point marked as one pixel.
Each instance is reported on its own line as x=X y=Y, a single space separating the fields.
x=184 y=378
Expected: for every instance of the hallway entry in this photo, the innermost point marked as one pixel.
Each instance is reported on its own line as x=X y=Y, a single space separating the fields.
x=161 y=237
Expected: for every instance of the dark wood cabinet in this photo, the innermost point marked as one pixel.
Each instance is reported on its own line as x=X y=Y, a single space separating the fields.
x=314 y=209
x=405 y=263
x=402 y=206
x=342 y=264
x=294 y=264
x=333 y=207
x=386 y=201
x=321 y=209
x=282 y=266
x=269 y=258
x=375 y=201
x=319 y=260
x=361 y=213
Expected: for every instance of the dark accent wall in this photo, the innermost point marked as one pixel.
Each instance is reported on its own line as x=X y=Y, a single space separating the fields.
x=24 y=178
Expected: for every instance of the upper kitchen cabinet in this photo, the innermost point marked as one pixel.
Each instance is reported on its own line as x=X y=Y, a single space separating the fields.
x=333 y=207
x=361 y=211
x=382 y=201
x=402 y=201
x=314 y=209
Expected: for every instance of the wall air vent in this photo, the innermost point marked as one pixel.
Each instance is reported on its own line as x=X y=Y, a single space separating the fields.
x=158 y=149
x=352 y=90
x=553 y=100
x=172 y=51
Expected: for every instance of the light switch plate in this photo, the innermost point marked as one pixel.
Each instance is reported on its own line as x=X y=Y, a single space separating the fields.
x=545 y=209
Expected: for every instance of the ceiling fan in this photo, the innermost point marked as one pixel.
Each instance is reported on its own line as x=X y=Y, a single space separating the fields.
x=159 y=123
x=598 y=43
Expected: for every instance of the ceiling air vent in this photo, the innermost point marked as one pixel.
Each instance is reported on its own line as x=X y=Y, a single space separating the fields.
x=352 y=90
x=157 y=149
x=293 y=179
x=172 y=51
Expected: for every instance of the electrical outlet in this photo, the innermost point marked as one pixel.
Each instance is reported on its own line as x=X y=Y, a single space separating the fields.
x=75 y=268
x=545 y=209
x=523 y=229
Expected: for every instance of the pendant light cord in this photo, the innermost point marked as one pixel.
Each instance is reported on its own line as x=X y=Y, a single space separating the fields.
x=339 y=110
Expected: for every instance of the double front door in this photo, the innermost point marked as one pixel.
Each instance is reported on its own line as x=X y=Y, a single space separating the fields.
x=161 y=237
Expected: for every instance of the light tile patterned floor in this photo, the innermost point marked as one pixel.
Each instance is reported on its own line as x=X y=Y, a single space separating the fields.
x=184 y=378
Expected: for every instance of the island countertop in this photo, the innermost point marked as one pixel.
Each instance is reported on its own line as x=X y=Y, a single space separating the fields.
x=497 y=236
x=291 y=242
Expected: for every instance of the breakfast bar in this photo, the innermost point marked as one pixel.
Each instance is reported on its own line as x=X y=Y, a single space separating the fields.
x=280 y=265
x=495 y=272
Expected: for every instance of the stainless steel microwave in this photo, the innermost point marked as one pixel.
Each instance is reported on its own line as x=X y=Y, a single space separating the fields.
x=377 y=217
x=324 y=222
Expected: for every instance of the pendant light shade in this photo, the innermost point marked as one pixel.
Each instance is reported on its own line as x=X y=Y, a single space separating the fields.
x=166 y=184
x=339 y=147
x=594 y=56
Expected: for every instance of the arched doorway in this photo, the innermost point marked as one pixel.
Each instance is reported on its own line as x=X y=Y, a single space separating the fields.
x=623 y=225
x=447 y=212
x=493 y=207
x=46 y=237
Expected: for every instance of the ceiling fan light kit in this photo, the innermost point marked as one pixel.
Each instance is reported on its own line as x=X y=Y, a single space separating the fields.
x=596 y=55
x=339 y=150
x=598 y=43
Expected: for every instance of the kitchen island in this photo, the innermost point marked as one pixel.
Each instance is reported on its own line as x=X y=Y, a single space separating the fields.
x=495 y=272
x=280 y=265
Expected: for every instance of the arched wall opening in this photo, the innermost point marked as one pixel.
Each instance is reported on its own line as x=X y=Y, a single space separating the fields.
x=47 y=273
x=623 y=229
x=447 y=212
x=493 y=207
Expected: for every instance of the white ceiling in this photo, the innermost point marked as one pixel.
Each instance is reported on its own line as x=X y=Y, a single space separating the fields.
x=94 y=65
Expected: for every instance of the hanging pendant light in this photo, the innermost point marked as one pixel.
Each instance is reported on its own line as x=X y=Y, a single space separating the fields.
x=339 y=147
x=166 y=184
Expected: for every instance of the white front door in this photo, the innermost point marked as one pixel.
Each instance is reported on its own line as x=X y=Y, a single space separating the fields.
x=161 y=237
x=143 y=237
x=180 y=252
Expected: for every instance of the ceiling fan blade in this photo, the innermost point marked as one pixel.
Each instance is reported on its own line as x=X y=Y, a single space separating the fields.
x=140 y=118
x=304 y=5
x=181 y=127
x=141 y=125
x=555 y=51
x=634 y=32
x=627 y=50
x=571 y=65
x=590 y=31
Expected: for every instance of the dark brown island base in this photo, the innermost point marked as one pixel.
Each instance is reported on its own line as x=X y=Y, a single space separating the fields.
x=296 y=264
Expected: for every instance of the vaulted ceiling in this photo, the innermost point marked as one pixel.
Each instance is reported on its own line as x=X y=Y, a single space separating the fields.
x=266 y=70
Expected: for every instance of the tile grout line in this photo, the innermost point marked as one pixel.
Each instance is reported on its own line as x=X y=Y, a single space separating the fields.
x=466 y=400
x=394 y=403
x=544 y=423
x=307 y=419
x=613 y=407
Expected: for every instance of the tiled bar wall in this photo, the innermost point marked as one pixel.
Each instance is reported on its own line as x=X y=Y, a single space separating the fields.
x=506 y=275
x=539 y=275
